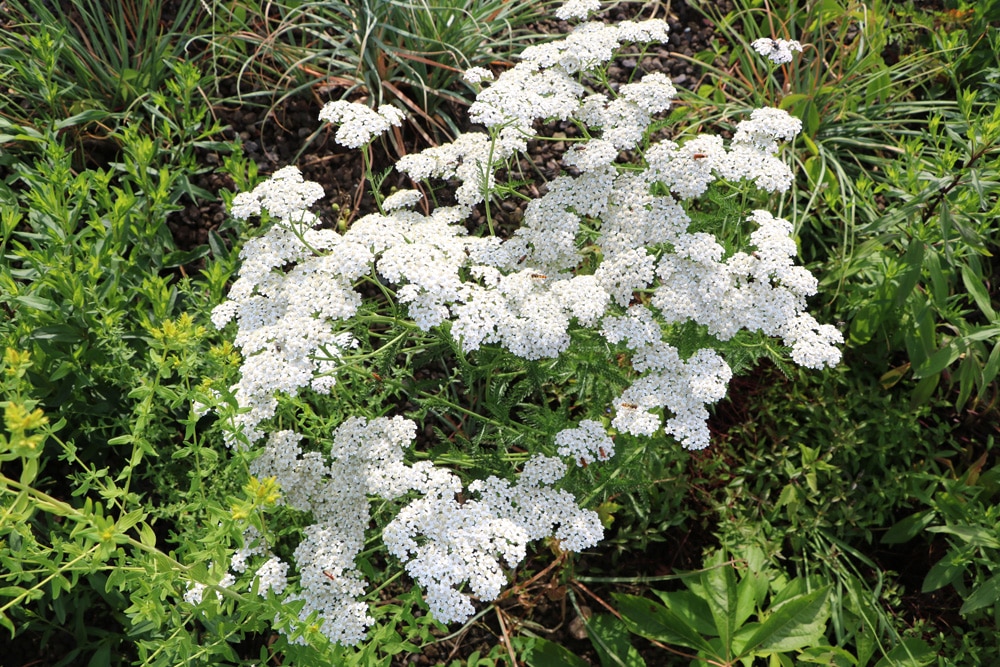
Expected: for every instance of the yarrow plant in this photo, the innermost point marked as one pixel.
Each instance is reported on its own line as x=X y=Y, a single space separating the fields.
x=613 y=249
x=778 y=51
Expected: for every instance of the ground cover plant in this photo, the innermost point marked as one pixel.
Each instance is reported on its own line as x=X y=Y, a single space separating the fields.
x=480 y=419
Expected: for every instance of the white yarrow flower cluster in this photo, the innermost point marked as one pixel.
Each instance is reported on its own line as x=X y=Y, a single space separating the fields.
x=608 y=248
x=453 y=550
x=778 y=51
x=360 y=124
x=476 y=75
x=577 y=9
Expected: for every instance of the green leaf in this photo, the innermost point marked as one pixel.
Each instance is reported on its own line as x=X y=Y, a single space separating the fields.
x=910 y=652
x=992 y=365
x=691 y=609
x=985 y=595
x=799 y=622
x=719 y=585
x=944 y=572
x=102 y=656
x=610 y=638
x=217 y=245
x=908 y=528
x=147 y=536
x=938 y=361
x=82 y=118
x=58 y=333
x=36 y=302
x=181 y=258
x=832 y=656
x=976 y=536
x=654 y=621
x=549 y=654
x=977 y=290
x=914 y=260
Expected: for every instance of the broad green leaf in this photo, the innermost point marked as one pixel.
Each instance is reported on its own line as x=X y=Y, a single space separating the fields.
x=939 y=284
x=865 y=323
x=102 y=656
x=983 y=333
x=82 y=118
x=59 y=333
x=832 y=656
x=550 y=654
x=938 y=361
x=217 y=245
x=797 y=623
x=147 y=536
x=908 y=528
x=944 y=572
x=910 y=652
x=719 y=585
x=692 y=609
x=654 y=621
x=181 y=258
x=985 y=595
x=610 y=638
x=924 y=389
x=36 y=302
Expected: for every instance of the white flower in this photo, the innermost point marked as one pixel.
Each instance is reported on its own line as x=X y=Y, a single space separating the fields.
x=401 y=199
x=590 y=155
x=476 y=75
x=650 y=30
x=284 y=195
x=585 y=444
x=765 y=128
x=577 y=9
x=653 y=93
x=194 y=593
x=272 y=577
x=778 y=51
x=359 y=124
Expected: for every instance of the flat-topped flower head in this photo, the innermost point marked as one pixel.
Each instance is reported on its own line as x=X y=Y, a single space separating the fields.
x=476 y=75
x=286 y=194
x=778 y=51
x=577 y=9
x=360 y=124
